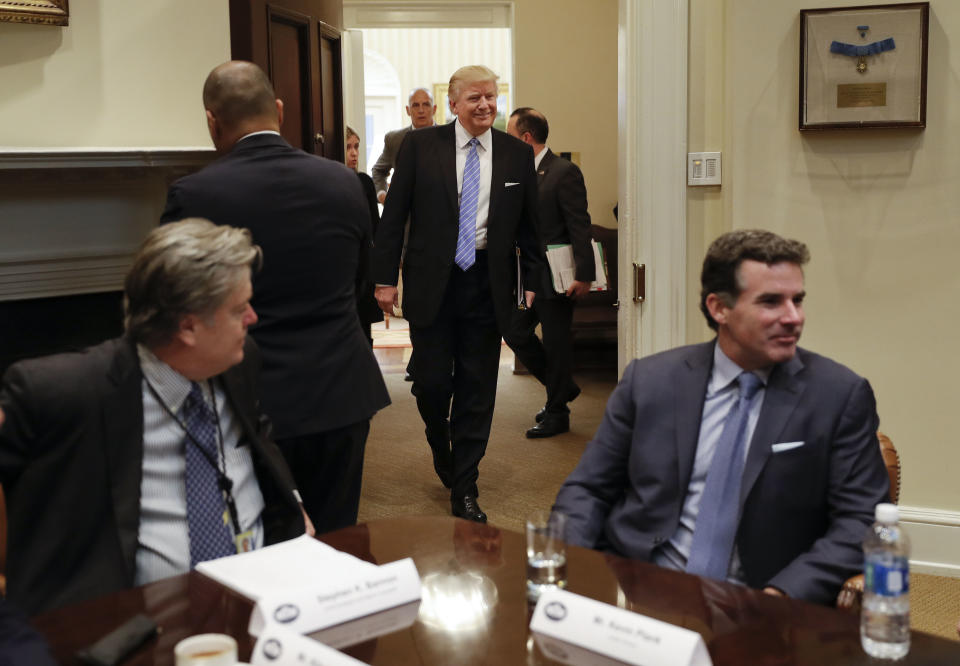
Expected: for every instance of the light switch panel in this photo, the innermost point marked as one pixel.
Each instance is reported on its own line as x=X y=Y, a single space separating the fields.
x=703 y=168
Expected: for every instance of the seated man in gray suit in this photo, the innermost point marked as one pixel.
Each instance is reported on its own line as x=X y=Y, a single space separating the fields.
x=136 y=459
x=421 y=109
x=745 y=458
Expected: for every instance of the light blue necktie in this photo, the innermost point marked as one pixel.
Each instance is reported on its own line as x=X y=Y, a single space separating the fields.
x=716 y=527
x=210 y=538
x=469 y=198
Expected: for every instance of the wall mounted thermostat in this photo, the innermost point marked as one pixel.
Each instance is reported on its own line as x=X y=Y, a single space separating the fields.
x=703 y=168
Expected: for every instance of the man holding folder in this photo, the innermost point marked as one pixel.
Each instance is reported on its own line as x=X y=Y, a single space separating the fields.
x=562 y=210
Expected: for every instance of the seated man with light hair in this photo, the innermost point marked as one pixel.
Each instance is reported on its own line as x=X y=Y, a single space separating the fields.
x=138 y=458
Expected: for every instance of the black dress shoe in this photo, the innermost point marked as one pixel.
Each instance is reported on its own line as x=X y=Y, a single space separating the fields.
x=468 y=508
x=571 y=396
x=551 y=425
x=407 y=377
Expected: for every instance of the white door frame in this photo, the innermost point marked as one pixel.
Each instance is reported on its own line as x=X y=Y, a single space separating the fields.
x=652 y=117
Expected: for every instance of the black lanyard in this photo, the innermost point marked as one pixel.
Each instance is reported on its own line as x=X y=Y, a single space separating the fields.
x=223 y=481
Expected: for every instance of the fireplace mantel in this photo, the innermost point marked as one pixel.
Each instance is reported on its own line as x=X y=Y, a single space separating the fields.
x=104 y=158
x=71 y=219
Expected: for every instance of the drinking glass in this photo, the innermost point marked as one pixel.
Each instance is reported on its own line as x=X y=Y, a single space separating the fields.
x=546 y=552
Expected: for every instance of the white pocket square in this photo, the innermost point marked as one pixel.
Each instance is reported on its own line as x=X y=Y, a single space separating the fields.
x=510 y=184
x=785 y=446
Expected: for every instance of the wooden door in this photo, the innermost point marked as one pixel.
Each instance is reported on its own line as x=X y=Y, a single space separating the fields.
x=297 y=42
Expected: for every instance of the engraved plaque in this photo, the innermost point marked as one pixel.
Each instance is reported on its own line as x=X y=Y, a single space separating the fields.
x=861 y=94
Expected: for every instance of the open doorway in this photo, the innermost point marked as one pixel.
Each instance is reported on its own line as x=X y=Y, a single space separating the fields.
x=406 y=50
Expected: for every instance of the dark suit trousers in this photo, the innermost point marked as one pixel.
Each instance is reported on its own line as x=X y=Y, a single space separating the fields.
x=328 y=469
x=550 y=361
x=463 y=338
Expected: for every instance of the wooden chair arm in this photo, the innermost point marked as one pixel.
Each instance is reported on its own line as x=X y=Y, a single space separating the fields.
x=851 y=594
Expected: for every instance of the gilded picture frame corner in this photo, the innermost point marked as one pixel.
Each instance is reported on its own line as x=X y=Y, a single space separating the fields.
x=863 y=67
x=35 y=12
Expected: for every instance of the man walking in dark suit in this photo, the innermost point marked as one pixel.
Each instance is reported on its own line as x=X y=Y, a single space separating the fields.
x=138 y=458
x=470 y=193
x=563 y=220
x=320 y=383
x=746 y=458
x=421 y=109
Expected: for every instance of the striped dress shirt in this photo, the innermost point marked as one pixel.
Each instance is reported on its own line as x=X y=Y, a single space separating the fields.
x=163 y=542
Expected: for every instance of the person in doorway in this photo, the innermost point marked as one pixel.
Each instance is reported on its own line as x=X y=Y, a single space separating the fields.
x=367 y=307
x=460 y=278
x=564 y=220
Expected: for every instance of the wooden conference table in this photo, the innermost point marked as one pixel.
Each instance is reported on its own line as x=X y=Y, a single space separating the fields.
x=474 y=608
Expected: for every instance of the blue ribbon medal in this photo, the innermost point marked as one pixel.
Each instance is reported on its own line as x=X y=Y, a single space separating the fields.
x=861 y=51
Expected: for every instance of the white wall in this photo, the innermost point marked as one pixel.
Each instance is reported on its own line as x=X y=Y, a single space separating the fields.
x=123 y=73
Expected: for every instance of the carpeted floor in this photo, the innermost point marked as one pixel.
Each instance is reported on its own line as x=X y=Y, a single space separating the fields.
x=518 y=475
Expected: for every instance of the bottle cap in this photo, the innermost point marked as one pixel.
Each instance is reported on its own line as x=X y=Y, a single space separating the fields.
x=887 y=513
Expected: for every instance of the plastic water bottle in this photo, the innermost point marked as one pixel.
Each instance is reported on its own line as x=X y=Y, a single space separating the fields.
x=885 y=618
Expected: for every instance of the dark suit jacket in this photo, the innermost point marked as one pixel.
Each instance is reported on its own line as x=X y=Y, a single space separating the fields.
x=313 y=223
x=71 y=457
x=367 y=306
x=388 y=158
x=804 y=511
x=425 y=187
x=564 y=218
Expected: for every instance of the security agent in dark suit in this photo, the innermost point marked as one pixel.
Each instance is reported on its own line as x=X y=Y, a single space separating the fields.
x=320 y=383
x=97 y=452
x=798 y=493
x=459 y=273
x=563 y=219
x=421 y=109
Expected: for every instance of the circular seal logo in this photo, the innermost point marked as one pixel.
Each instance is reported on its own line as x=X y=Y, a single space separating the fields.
x=272 y=649
x=555 y=611
x=286 y=613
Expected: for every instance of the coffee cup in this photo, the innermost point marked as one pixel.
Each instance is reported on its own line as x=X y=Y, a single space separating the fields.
x=206 y=650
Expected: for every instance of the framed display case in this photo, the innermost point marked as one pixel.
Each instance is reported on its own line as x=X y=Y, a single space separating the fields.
x=864 y=67
x=44 y=12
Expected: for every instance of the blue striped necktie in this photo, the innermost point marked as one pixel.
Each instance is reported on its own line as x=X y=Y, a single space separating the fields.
x=210 y=536
x=469 y=197
x=717 y=518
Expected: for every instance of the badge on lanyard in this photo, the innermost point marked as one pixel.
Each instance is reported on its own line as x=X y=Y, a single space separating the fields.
x=244 y=541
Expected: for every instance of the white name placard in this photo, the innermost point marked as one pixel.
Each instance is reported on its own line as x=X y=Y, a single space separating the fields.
x=279 y=646
x=614 y=632
x=346 y=599
x=365 y=628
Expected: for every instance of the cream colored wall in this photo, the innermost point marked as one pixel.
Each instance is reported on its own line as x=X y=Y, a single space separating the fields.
x=566 y=66
x=705 y=125
x=122 y=74
x=877 y=209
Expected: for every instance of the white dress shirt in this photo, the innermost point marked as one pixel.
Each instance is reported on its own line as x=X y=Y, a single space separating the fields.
x=163 y=541
x=485 y=153
x=539 y=157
